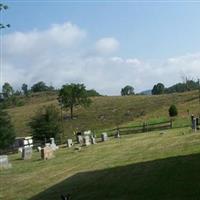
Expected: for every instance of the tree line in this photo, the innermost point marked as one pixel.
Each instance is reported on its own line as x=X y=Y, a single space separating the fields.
x=159 y=88
x=188 y=85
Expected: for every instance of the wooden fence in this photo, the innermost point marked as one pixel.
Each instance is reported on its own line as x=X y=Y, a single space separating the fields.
x=145 y=127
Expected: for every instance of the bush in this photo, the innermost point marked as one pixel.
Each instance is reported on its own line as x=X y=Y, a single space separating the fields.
x=7 y=133
x=46 y=123
x=173 y=111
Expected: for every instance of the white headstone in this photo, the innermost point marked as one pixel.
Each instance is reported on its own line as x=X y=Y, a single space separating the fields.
x=69 y=143
x=53 y=145
x=4 y=162
x=86 y=139
x=93 y=140
x=87 y=132
x=26 y=153
x=79 y=139
x=104 y=137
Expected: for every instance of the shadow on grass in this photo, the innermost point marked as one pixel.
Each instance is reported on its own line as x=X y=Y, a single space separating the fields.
x=171 y=178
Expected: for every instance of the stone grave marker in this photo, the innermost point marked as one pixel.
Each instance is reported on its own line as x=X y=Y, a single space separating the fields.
x=93 y=140
x=86 y=139
x=27 y=153
x=117 y=134
x=104 y=137
x=69 y=143
x=53 y=144
x=194 y=124
x=4 y=162
x=80 y=139
x=47 y=153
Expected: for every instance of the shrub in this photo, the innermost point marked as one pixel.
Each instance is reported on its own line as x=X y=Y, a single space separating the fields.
x=46 y=123
x=173 y=111
x=7 y=133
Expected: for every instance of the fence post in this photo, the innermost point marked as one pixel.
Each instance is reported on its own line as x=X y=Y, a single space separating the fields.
x=144 y=127
x=171 y=123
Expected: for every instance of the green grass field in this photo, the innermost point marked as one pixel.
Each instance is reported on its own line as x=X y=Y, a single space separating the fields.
x=139 y=166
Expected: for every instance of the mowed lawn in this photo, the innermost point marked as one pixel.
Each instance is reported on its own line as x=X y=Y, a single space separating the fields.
x=146 y=166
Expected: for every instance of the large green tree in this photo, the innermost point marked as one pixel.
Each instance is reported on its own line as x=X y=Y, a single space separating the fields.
x=127 y=90
x=7 y=89
x=158 y=89
x=46 y=123
x=7 y=133
x=72 y=95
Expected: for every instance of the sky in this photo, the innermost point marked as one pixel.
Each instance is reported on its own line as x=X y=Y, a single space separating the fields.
x=103 y=44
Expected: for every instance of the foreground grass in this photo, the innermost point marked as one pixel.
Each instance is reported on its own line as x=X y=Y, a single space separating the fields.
x=142 y=166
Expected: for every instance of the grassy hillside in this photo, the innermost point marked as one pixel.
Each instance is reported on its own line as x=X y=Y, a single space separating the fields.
x=143 y=166
x=108 y=112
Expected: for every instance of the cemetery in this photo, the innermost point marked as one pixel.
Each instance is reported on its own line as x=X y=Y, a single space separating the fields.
x=99 y=100
x=137 y=150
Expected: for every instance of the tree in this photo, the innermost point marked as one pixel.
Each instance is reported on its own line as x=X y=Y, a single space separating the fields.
x=39 y=87
x=46 y=123
x=92 y=93
x=7 y=133
x=72 y=95
x=7 y=89
x=25 y=88
x=158 y=89
x=173 y=111
x=127 y=90
x=3 y=7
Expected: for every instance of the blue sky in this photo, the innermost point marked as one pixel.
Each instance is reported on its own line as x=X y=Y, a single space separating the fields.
x=156 y=34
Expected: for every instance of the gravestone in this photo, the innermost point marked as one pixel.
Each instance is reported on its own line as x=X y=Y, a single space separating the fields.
x=86 y=140
x=47 y=153
x=194 y=124
x=69 y=143
x=53 y=144
x=26 y=153
x=80 y=139
x=104 y=137
x=117 y=134
x=87 y=132
x=4 y=162
x=93 y=140
x=39 y=149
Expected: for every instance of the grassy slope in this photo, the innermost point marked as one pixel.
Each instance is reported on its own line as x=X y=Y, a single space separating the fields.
x=143 y=166
x=107 y=112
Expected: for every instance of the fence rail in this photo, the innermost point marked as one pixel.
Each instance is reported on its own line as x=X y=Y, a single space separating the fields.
x=145 y=127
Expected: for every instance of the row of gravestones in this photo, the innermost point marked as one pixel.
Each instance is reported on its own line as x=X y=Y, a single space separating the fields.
x=48 y=151
x=86 y=140
x=26 y=153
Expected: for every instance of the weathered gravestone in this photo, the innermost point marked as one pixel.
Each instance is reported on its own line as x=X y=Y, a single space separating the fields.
x=117 y=134
x=27 y=153
x=93 y=139
x=69 y=143
x=104 y=137
x=4 y=162
x=194 y=124
x=47 y=153
x=53 y=144
x=79 y=139
x=86 y=140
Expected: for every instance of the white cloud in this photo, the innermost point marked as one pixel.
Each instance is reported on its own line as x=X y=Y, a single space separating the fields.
x=107 y=45
x=61 y=55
